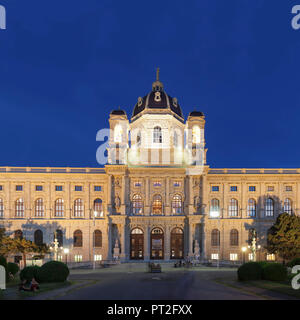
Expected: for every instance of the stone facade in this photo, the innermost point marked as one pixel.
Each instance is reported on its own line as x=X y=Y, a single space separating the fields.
x=156 y=197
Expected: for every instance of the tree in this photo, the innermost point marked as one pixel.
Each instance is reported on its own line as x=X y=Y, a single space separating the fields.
x=284 y=237
x=23 y=246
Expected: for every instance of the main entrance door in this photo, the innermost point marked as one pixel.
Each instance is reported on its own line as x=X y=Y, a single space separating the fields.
x=157 y=244
x=137 y=244
x=177 y=244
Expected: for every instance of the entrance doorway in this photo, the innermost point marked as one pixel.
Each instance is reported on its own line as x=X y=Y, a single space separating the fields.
x=137 y=244
x=177 y=244
x=157 y=244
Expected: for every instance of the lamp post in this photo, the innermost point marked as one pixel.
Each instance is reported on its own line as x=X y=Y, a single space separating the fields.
x=244 y=249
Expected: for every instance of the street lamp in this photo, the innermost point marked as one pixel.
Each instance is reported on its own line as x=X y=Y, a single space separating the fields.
x=66 y=252
x=244 y=249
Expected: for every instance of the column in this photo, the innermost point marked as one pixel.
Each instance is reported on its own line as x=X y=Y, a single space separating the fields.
x=109 y=194
x=167 y=241
x=123 y=196
x=109 y=240
x=167 y=208
x=191 y=231
x=147 y=243
x=203 y=237
x=191 y=196
x=147 y=202
x=122 y=231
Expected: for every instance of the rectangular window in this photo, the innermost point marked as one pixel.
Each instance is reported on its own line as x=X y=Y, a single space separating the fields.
x=78 y=188
x=270 y=188
x=157 y=184
x=288 y=188
x=98 y=257
x=177 y=184
x=233 y=256
x=252 y=188
x=19 y=188
x=58 y=188
x=271 y=257
x=138 y=184
x=1 y=188
x=215 y=256
x=215 y=188
x=97 y=188
x=233 y=188
x=59 y=258
x=38 y=188
x=250 y=256
x=78 y=258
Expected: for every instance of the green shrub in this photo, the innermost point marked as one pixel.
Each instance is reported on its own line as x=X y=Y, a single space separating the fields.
x=53 y=271
x=294 y=262
x=250 y=271
x=29 y=272
x=12 y=268
x=275 y=272
x=263 y=263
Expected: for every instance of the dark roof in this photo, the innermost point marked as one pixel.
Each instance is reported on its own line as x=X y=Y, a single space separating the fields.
x=166 y=102
x=196 y=114
x=118 y=112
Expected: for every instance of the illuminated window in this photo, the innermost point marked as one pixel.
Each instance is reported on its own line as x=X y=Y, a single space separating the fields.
x=39 y=208
x=288 y=206
x=196 y=134
x=271 y=257
x=98 y=208
x=177 y=204
x=269 y=207
x=157 y=135
x=214 y=256
x=20 y=208
x=118 y=134
x=250 y=257
x=78 y=258
x=137 y=204
x=233 y=256
x=251 y=208
x=215 y=208
x=59 y=208
x=233 y=208
x=78 y=208
x=98 y=257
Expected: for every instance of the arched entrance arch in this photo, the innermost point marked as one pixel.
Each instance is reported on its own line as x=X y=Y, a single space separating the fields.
x=157 y=244
x=177 y=243
x=137 y=244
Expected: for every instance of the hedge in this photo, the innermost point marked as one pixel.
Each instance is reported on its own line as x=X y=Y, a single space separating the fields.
x=29 y=272
x=250 y=271
x=12 y=268
x=294 y=262
x=53 y=271
x=275 y=272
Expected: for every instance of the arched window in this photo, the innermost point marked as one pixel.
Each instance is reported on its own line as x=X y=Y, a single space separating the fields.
x=234 y=237
x=138 y=139
x=288 y=206
x=251 y=208
x=77 y=239
x=98 y=208
x=196 y=134
x=157 y=135
x=59 y=208
x=137 y=204
x=38 y=237
x=177 y=204
x=97 y=239
x=20 y=208
x=215 y=208
x=1 y=208
x=18 y=234
x=118 y=134
x=59 y=237
x=39 y=208
x=78 y=208
x=233 y=208
x=157 y=204
x=269 y=207
x=215 y=238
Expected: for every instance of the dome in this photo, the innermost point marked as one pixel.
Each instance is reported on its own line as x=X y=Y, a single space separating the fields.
x=118 y=112
x=196 y=114
x=157 y=99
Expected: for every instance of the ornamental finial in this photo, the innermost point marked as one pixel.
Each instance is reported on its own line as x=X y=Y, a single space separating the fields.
x=157 y=74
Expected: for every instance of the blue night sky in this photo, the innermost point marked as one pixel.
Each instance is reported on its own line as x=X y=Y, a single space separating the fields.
x=65 y=64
